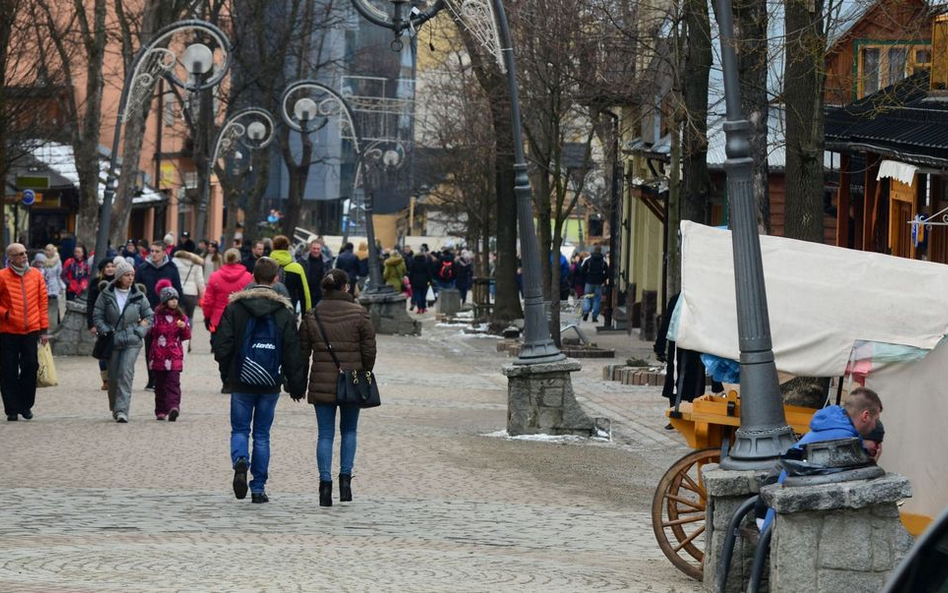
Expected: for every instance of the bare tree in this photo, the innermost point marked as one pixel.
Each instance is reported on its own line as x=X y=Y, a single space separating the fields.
x=136 y=30
x=460 y=175
x=494 y=82
x=77 y=35
x=28 y=93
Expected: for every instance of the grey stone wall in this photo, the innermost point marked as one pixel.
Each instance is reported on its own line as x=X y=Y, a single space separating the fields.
x=845 y=536
x=727 y=490
x=388 y=314
x=73 y=337
x=540 y=400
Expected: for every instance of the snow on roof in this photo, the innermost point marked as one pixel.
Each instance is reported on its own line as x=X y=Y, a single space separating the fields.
x=60 y=158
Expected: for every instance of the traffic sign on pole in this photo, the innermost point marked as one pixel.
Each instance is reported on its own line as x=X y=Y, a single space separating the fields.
x=29 y=196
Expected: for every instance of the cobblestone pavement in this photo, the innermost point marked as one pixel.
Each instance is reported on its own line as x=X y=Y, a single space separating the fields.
x=94 y=506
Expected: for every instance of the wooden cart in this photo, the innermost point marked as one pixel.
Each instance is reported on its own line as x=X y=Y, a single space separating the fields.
x=678 y=507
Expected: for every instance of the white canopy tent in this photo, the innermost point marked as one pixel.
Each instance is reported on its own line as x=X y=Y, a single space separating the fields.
x=823 y=302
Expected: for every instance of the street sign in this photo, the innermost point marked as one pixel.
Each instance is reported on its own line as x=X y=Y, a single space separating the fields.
x=29 y=196
x=32 y=182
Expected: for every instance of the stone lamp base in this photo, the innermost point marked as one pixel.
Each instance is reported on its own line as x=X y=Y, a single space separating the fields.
x=388 y=314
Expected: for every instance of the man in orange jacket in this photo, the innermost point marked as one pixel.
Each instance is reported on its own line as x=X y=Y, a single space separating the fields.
x=23 y=322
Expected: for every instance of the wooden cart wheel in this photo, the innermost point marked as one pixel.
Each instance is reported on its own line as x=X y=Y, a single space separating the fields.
x=678 y=512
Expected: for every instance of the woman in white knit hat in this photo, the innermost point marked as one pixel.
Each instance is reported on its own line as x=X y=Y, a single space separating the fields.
x=122 y=311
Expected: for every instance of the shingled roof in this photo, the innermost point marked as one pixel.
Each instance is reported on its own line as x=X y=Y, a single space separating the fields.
x=904 y=121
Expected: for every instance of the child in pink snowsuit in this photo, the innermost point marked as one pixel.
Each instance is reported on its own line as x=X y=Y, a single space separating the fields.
x=170 y=327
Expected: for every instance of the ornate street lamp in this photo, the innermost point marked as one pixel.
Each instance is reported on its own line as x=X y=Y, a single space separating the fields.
x=253 y=128
x=152 y=61
x=764 y=434
x=487 y=21
x=306 y=102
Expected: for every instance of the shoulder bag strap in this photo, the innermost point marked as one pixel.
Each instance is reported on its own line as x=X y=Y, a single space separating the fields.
x=322 y=330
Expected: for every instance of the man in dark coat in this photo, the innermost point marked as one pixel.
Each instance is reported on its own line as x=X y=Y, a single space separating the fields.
x=348 y=262
x=254 y=405
x=256 y=252
x=596 y=271
x=315 y=266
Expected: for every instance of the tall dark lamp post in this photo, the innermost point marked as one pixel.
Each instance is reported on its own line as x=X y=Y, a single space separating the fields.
x=488 y=22
x=152 y=61
x=764 y=434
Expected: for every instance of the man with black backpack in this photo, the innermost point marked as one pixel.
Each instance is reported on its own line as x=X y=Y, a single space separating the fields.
x=257 y=350
x=596 y=271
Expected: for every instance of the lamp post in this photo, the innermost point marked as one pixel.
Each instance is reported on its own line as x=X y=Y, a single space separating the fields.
x=252 y=128
x=298 y=100
x=487 y=20
x=764 y=434
x=152 y=61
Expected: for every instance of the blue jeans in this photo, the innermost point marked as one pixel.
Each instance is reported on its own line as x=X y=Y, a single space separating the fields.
x=594 y=290
x=326 y=422
x=258 y=408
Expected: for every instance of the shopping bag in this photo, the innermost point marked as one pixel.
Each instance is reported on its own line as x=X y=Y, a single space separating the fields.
x=46 y=375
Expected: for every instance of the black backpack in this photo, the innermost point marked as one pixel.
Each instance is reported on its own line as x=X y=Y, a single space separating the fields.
x=261 y=354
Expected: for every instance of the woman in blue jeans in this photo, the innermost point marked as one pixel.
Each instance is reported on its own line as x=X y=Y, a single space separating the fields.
x=337 y=321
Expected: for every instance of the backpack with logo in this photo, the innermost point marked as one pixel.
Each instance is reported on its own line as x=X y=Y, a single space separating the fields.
x=447 y=270
x=261 y=353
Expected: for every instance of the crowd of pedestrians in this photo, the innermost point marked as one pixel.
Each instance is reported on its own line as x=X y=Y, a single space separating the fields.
x=278 y=318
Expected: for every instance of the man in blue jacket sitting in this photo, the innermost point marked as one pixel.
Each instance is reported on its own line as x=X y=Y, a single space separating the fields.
x=857 y=417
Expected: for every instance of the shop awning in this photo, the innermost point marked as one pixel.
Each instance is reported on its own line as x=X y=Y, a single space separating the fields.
x=903 y=172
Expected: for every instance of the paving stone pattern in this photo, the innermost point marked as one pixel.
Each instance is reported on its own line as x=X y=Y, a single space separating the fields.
x=93 y=506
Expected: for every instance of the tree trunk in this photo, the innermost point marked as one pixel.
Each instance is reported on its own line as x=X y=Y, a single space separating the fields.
x=803 y=96
x=134 y=133
x=673 y=219
x=299 y=173
x=542 y=205
x=803 y=93
x=696 y=186
x=156 y=14
x=254 y=212
x=750 y=28
x=507 y=301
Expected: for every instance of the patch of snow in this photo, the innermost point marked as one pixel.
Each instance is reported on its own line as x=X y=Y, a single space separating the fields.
x=550 y=438
x=476 y=335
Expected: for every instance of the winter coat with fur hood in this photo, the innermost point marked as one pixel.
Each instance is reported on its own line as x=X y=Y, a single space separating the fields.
x=190 y=271
x=352 y=336
x=126 y=323
x=257 y=301
x=166 y=352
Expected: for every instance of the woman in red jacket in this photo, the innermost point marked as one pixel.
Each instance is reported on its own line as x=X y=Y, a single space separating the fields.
x=76 y=273
x=232 y=277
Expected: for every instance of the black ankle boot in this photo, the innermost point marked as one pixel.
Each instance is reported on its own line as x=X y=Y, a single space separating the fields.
x=325 y=494
x=345 y=488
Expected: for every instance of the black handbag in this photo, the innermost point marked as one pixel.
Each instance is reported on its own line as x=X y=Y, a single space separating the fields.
x=103 y=346
x=353 y=388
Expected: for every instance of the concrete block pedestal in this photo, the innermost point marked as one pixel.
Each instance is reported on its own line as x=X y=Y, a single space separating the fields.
x=540 y=400
x=72 y=338
x=388 y=314
x=842 y=536
x=726 y=491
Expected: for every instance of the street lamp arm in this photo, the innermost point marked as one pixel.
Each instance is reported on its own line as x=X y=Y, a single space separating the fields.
x=152 y=58
x=396 y=23
x=324 y=111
